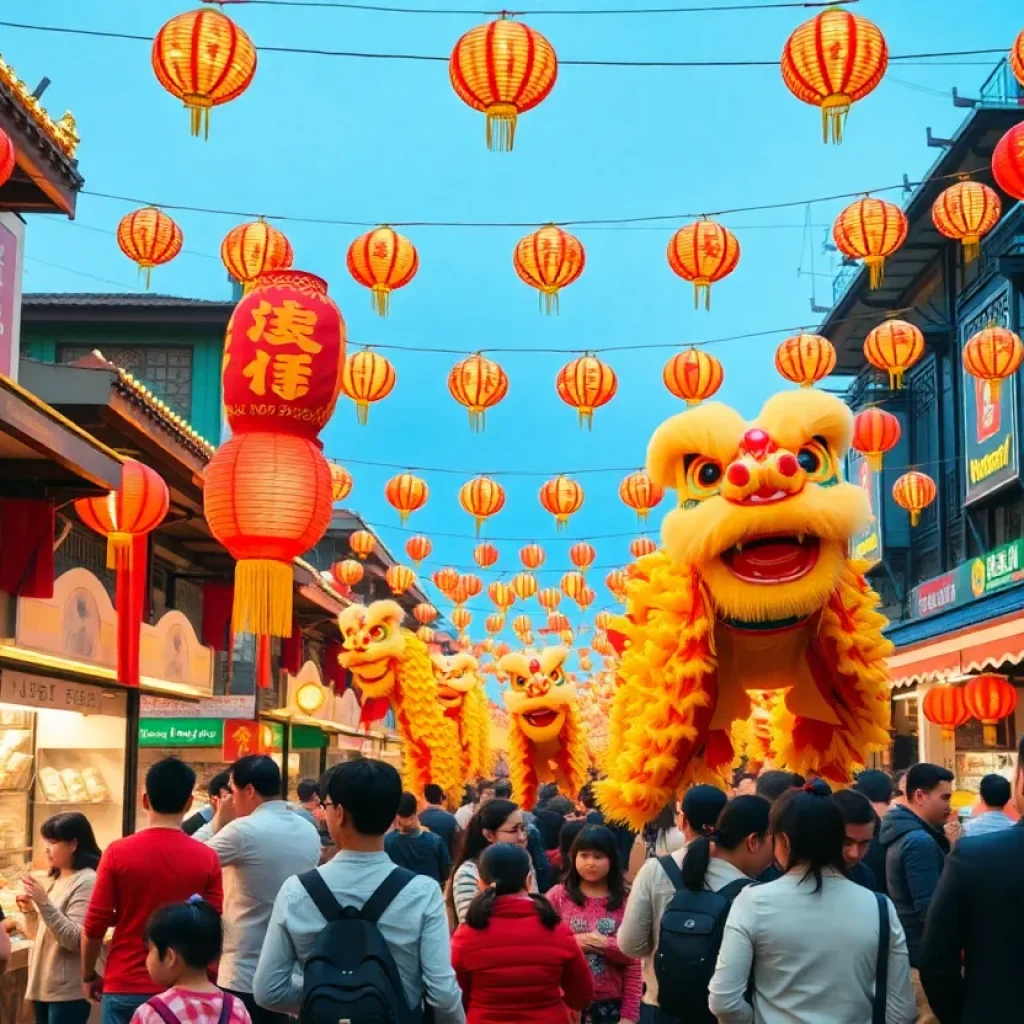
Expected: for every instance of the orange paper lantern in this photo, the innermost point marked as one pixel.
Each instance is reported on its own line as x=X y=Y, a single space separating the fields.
x=532 y=556
x=362 y=543
x=406 y=493
x=485 y=555
x=615 y=581
x=914 y=492
x=586 y=384
x=525 y=585
x=549 y=599
x=703 y=252
x=602 y=620
x=149 y=237
x=582 y=555
x=640 y=493
x=894 y=346
x=549 y=259
x=471 y=585
x=642 y=546
x=8 y=158
x=461 y=618
x=693 y=376
x=558 y=623
x=870 y=230
x=341 y=482
x=875 y=432
x=347 y=573
x=501 y=594
x=446 y=580
x=367 y=378
x=503 y=68
x=832 y=61
x=399 y=578
x=250 y=249
x=586 y=597
x=805 y=359
x=479 y=384
x=1008 y=162
x=204 y=59
x=945 y=706
x=382 y=260
x=572 y=584
x=993 y=355
x=482 y=498
x=494 y=623
x=990 y=698
x=966 y=211
x=562 y=497
x=521 y=625
x=426 y=634
x=424 y=613
x=418 y=547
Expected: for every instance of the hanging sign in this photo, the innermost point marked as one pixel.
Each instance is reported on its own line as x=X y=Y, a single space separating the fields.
x=181 y=732
x=866 y=545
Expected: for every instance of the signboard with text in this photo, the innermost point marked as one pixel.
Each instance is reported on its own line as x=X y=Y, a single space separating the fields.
x=998 y=569
x=867 y=544
x=181 y=732
x=30 y=690
x=10 y=301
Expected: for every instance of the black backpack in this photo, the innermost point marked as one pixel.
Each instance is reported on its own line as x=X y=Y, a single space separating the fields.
x=351 y=975
x=691 y=934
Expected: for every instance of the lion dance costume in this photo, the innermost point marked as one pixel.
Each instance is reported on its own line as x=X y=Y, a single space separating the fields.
x=460 y=691
x=546 y=742
x=392 y=667
x=752 y=591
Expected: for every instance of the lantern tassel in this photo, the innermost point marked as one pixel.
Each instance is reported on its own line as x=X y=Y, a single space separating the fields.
x=915 y=516
x=362 y=413
x=875 y=461
x=380 y=299
x=263 y=597
x=896 y=378
x=548 y=302
x=972 y=248
x=988 y=733
x=995 y=386
x=119 y=551
x=833 y=115
x=876 y=271
x=501 y=127
x=702 y=287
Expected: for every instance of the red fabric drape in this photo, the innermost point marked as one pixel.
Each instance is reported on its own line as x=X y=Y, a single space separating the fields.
x=263 y=666
x=218 y=600
x=26 y=547
x=291 y=650
x=334 y=675
x=132 y=576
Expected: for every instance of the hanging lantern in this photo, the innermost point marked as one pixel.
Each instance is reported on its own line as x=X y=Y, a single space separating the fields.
x=461 y=618
x=341 y=482
x=693 y=376
x=250 y=249
x=914 y=492
x=562 y=497
x=642 y=546
x=549 y=599
x=640 y=493
x=965 y=212
x=494 y=623
x=362 y=543
x=805 y=359
x=602 y=620
x=149 y=238
x=204 y=59
x=426 y=634
x=382 y=260
x=418 y=548
x=586 y=597
x=485 y=555
x=503 y=68
x=586 y=384
x=1008 y=162
x=446 y=580
x=471 y=585
x=458 y=596
x=615 y=581
x=990 y=698
x=572 y=584
x=870 y=230
x=532 y=556
x=521 y=625
x=8 y=158
x=525 y=585
x=832 y=61
x=347 y=573
x=502 y=595
x=1017 y=58
x=482 y=498
x=557 y=623
x=894 y=346
x=406 y=493
x=399 y=578
x=703 y=252
x=582 y=555
x=549 y=259
x=875 y=432
x=479 y=384
x=945 y=706
x=993 y=355
x=367 y=378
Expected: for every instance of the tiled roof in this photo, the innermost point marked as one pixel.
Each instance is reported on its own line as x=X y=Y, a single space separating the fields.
x=63 y=132
x=103 y=299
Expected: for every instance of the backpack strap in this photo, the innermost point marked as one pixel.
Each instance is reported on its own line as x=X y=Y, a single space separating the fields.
x=382 y=896
x=882 y=963
x=163 y=1011
x=734 y=888
x=227 y=1008
x=671 y=868
x=321 y=895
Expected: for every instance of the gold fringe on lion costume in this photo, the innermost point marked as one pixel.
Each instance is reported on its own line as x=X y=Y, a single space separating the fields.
x=753 y=590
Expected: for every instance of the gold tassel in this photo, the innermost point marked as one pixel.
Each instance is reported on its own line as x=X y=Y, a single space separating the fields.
x=972 y=248
x=875 y=461
x=988 y=734
x=501 y=127
x=119 y=550
x=263 y=597
x=833 y=115
x=548 y=302
x=876 y=271
x=362 y=413
x=380 y=299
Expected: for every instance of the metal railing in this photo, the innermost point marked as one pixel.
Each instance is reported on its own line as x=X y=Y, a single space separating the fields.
x=1001 y=88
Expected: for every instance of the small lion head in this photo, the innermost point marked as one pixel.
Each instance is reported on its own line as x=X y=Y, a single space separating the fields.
x=540 y=693
x=372 y=643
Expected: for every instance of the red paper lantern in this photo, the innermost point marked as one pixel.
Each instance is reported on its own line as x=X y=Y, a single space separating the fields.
x=485 y=555
x=562 y=497
x=362 y=543
x=149 y=238
x=418 y=548
x=642 y=546
x=347 y=573
x=966 y=211
x=805 y=359
x=586 y=384
x=532 y=556
x=382 y=260
x=399 y=578
x=7 y=158
x=914 y=492
x=549 y=599
x=894 y=346
x=366 y=378
x=703 y=252
x=341 y=482
x=521 y=625
x=424 y=613
x=479 y=384
x=502 y=595
x=1008 y=162
x=945 y=706
x=471 y=585
x=602 y=620
x=990 y=698
x=549 y=259
x=870 y=230
x=482 y=498
x=875 y=432
x=993 y=355
x=582 y=555
x=461 y=618
x=693 y=376
x=525 y=585
x=615 y=581
x=406 y=493
x=250 y=249
x=640 y=493
x=494 y=623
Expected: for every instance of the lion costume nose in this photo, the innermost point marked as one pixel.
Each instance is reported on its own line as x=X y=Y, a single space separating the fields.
x=538 y=687
x=757 y=442
x=761 y=471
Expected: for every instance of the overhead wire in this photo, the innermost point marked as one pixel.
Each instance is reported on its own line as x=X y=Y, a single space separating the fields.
x=527 y=13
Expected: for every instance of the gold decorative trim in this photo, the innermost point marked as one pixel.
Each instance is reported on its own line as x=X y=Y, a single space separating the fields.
x=63 y=132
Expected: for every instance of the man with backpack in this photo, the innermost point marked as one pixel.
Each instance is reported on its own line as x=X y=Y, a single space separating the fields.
x=359 y=939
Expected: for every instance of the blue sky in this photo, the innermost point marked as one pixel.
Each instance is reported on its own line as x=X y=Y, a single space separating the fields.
x=383 y=140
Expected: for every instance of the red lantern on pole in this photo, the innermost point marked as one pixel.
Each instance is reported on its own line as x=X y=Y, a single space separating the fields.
x=945 y=706
x=990 y=698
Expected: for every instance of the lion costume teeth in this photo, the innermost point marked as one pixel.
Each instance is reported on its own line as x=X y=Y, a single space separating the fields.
x=753 y=591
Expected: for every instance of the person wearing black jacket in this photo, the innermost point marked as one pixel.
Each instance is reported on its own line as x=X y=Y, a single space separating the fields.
x=877 y=787
x=976 y=911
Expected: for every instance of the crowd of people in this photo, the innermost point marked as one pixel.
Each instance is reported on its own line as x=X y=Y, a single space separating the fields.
x=782 y=902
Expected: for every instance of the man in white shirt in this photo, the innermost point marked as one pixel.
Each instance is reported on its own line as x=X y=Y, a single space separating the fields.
x=484 y=792
x=260 y=841
x=361 y=800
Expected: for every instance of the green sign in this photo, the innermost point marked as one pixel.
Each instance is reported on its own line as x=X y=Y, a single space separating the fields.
x=1000 y=568
x=307 y=737
x=867 y=544
x=181 y=732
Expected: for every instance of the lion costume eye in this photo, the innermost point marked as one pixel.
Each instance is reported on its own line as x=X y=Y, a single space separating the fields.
x=519 y=682
x=816 y=461
x=378 y=632
x=703 y=476
x=557 y=677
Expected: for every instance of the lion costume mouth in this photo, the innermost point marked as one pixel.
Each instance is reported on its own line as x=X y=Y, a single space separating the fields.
x=772 y=559
x=449 y=697
x=541 y=718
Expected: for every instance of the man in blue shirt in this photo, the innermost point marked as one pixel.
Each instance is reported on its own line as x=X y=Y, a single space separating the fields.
x=415 y=848
x=441 y=822
x=995 y=795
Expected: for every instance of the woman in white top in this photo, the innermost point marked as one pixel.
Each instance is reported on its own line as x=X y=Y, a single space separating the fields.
x=812 y=936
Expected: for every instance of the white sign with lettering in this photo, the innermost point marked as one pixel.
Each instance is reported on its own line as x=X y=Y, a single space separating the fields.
x=235 y=706
x=57 y=695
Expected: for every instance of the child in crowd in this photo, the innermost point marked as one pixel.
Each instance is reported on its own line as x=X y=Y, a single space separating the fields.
x=592 y=901
x=184 y=939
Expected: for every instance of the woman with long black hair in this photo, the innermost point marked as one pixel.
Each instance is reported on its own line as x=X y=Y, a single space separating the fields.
x=818 y=948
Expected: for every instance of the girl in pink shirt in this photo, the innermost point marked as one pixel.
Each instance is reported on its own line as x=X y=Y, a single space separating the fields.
x=592 y=901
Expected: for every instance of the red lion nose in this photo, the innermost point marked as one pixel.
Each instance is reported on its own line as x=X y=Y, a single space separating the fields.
x=758 y=443
x=535 y=666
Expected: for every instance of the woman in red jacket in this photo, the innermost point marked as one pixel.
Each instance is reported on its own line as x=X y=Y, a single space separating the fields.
x=517 y=963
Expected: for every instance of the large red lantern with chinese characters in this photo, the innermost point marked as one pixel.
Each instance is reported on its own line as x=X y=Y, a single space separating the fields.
x=640 y=493
x=382 y=260
x=945 y=706
x=990 y=698
x=914 y=492
x=1008 y=162
x=149 y=238
x=870 y=230
x=703 y=252
x=805 y=359
x=562 y=497
x=586 y=384
x=549 y=260
x=993 y=355
x=693 y=376
x=250 y=249
x=418 y=547
x=875 y=432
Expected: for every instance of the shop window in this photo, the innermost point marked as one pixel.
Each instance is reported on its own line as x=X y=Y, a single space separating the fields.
x=83 y=549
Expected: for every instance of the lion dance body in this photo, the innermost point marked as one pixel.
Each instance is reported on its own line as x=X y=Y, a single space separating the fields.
x=392 y=667
x=752 y=591
x=546 y=742
x=460 y=691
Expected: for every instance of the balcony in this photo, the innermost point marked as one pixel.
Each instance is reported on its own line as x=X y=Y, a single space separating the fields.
x=1001 y=89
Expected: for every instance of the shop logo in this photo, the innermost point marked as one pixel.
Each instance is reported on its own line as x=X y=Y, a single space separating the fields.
x=983 y=468
x=978 y=577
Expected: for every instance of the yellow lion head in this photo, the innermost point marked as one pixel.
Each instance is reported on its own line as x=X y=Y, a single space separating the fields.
x=540 y=693
x=373 y=644
x=456 y=677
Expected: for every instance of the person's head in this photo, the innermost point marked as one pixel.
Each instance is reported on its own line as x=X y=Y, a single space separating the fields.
x=807 y=832
x=745 y=784
x=593 y=860
x=169 y=785
x=995 y=792
x=183 y=938
x=699 y=810
x=406 y=818
x=1018 y=780
x=505 y=871
x=546 y=793
x=218 y=788
x=588 y=798
x=560 y=805
x=929 y=789
x=308 y=792
x=433 y=794
x=859 y=821
x=566 y=837
x=484 y=791
x=497 y=821
x=877 y=787
x=254 y=780
x=899 y=789
x=773 y=784
x=739 y=836
x=503 y=789
x=361 y=801
x=468 y=795
x=69 y=843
